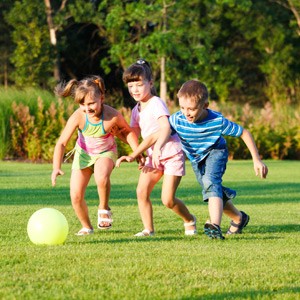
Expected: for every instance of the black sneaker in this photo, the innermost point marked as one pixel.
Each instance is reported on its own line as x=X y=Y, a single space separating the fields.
x=213 y=231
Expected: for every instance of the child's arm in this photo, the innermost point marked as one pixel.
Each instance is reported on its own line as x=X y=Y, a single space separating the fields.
x=124 y=132
x=163 y=137
x=60 y=146
x=143 y=146
x=259 y=167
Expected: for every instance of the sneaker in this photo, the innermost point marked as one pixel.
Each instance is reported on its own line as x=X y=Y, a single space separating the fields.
x=240 y=226
x=145 y=232
x=213 y=231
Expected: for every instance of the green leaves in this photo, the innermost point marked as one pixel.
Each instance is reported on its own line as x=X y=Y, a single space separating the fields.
x=236 y=47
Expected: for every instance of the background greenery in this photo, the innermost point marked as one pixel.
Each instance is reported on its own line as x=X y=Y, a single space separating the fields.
x=245 y=51
x=32 y=119
x=262 y=263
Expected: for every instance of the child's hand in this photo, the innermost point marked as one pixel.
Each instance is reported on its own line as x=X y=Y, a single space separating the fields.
x=156 y=157
x=141 y=161
x=260 y=169
x=56 y=173
x=124 y=158
x=116 y=131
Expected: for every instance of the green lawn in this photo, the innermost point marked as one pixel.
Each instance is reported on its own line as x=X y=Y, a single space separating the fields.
x=262 y=263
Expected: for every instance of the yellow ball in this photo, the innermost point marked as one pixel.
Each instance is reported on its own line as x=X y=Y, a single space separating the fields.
x=47 y=226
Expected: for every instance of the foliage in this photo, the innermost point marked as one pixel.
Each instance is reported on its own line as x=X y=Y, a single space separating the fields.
x=32 y=121
x=262 y=263
x=246 y=51
x=32 y=57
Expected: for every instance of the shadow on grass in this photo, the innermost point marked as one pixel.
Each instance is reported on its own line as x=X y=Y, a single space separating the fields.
x=130 y=239
x=282 y=228
x=249 y=294
x=122 y=195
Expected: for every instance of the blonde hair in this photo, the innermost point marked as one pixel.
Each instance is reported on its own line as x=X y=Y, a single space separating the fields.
x=78 y=90
x=195 y=91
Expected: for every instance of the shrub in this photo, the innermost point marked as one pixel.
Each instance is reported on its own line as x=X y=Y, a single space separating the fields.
x=31 y=124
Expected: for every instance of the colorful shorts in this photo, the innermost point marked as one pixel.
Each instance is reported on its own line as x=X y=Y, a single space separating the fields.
x=83 y=160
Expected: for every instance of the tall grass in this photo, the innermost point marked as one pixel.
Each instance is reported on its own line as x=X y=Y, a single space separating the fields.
x=31 y=121
x=261 y=263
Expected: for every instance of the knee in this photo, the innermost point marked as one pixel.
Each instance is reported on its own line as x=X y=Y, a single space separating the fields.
x=76 y=199
x=207 y=183
x=168 y=202
x=102 y=181
x=141 y=193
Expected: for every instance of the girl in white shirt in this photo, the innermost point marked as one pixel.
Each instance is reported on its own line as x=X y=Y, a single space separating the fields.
x=149 y=116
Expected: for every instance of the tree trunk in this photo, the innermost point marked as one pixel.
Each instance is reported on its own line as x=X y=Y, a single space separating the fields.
x=53 y=40
x=163 y=83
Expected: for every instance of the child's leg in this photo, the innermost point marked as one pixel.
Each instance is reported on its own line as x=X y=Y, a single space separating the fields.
x=238 y=218
x=78 y=183
x=168 y=198
x=102 y=171
x=148 y=178
x=215 y=209
x=232 y=212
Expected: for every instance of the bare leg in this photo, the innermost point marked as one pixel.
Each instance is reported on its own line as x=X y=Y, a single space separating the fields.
x=78 y=183
x=169 y=188
x=215 y=208
x=233 y=213
x=102 y=171
x=148 y=178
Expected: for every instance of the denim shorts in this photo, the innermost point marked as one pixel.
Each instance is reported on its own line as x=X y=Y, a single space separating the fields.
x=209 y=173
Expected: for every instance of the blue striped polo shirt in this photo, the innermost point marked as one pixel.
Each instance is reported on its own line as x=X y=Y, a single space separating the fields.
x=199 y=138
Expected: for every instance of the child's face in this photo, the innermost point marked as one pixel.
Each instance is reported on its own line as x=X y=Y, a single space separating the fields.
x=192 y=110
x=140 y=90
x=92 y=105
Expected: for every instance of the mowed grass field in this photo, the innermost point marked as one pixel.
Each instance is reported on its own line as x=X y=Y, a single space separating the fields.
x=261 y=263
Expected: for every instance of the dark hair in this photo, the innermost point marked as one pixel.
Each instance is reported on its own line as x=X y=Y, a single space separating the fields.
x=79 y=89
x=194 y=90
x=139 y=71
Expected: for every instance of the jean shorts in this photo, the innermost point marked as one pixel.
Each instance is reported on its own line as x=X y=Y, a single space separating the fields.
x=209 y=173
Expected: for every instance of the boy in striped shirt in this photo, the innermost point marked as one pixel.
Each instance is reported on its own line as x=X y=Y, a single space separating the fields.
x=201 y=132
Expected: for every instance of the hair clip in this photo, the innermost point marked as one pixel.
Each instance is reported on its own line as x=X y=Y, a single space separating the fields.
x=140 y=61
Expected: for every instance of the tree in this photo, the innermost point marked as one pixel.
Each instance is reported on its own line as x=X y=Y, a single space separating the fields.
x=32 y=56
x=6 y=44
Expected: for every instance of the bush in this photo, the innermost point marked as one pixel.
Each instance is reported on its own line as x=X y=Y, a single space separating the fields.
x=32 y=120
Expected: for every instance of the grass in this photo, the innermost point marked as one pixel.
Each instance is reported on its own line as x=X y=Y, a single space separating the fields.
x=262 y=263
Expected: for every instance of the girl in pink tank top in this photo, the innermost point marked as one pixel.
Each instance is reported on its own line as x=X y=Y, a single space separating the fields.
x=95 y=151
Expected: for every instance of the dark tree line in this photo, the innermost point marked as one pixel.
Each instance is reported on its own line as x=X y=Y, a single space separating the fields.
x=245 y=51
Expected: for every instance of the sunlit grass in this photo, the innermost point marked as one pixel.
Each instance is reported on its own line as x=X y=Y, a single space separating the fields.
x=262 y=263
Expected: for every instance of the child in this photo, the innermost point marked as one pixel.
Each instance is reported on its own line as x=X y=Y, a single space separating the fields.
x=95 y=150
x=148 y=116
x=201 y=132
